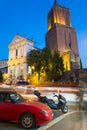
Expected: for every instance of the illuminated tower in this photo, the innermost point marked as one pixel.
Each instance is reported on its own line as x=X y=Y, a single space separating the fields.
x=61 y=36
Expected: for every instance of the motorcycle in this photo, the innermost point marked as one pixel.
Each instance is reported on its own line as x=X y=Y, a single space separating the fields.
x=62 y=103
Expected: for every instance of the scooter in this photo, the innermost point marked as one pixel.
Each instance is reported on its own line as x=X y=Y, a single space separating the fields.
x=62 y=103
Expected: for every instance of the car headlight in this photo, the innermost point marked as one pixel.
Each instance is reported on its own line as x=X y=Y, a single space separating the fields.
x=44 y=112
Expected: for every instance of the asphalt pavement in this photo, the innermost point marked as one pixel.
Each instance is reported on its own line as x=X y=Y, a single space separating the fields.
x=76 y=120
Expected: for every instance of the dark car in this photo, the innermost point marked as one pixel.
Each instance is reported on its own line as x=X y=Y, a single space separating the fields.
x=24 y=87
x=22 y=83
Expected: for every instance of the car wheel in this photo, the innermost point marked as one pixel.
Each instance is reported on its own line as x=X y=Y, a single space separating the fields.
x=27 y=121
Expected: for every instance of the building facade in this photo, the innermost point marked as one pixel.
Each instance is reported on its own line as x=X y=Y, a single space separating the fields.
x=4 y=66
x=18 y=50
x=61 y=36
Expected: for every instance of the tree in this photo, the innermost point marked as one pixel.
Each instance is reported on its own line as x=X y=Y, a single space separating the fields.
x=46 y=62
x=80 y=64
x=58 y=67
x=1 y=77
x=34 y=59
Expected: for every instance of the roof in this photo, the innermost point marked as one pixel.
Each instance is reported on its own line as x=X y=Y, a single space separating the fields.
x=18 y=39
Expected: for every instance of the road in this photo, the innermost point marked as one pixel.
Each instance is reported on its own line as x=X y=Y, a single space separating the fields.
x=73 y=121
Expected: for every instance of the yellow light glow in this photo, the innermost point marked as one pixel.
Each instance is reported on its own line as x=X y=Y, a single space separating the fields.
x=59 y=20
x=5 y=76
x=33 y=67
x=49 y=24
x=62 y=21
x=66 y=61
x=55 y=19
x=49 y=27
x=16 y=61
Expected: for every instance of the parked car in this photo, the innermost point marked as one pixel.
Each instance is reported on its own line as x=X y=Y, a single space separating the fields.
x=22 y=82
x=14 y=108
x=23 y=87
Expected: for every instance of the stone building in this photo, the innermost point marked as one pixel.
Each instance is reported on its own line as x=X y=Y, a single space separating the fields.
x=18 y=50
x=4 y=66
x=61 y=36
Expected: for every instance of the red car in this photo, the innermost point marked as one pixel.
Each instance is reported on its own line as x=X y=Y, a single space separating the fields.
x=29 y=114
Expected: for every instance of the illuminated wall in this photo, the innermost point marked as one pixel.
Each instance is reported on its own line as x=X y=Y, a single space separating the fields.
x=60 y=15
x=18 y=50
x=66 y=61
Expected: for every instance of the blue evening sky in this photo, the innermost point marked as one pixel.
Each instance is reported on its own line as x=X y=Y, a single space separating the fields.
x=29 y=18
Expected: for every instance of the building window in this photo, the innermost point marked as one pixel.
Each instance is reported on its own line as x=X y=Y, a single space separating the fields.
x=16 y=53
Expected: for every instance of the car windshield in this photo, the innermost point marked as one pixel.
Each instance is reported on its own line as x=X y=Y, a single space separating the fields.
x=16 y=98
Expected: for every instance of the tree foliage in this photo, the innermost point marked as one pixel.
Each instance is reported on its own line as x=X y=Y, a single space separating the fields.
x=58 y=67
x=80 y=64
x=34 y=59
x=1 y=77
x=46 y=62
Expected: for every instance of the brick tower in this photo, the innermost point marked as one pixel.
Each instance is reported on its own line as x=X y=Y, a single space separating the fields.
x=61 y=36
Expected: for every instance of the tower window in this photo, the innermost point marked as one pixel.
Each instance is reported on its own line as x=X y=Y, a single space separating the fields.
x=70 y=45
x=69 y=41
